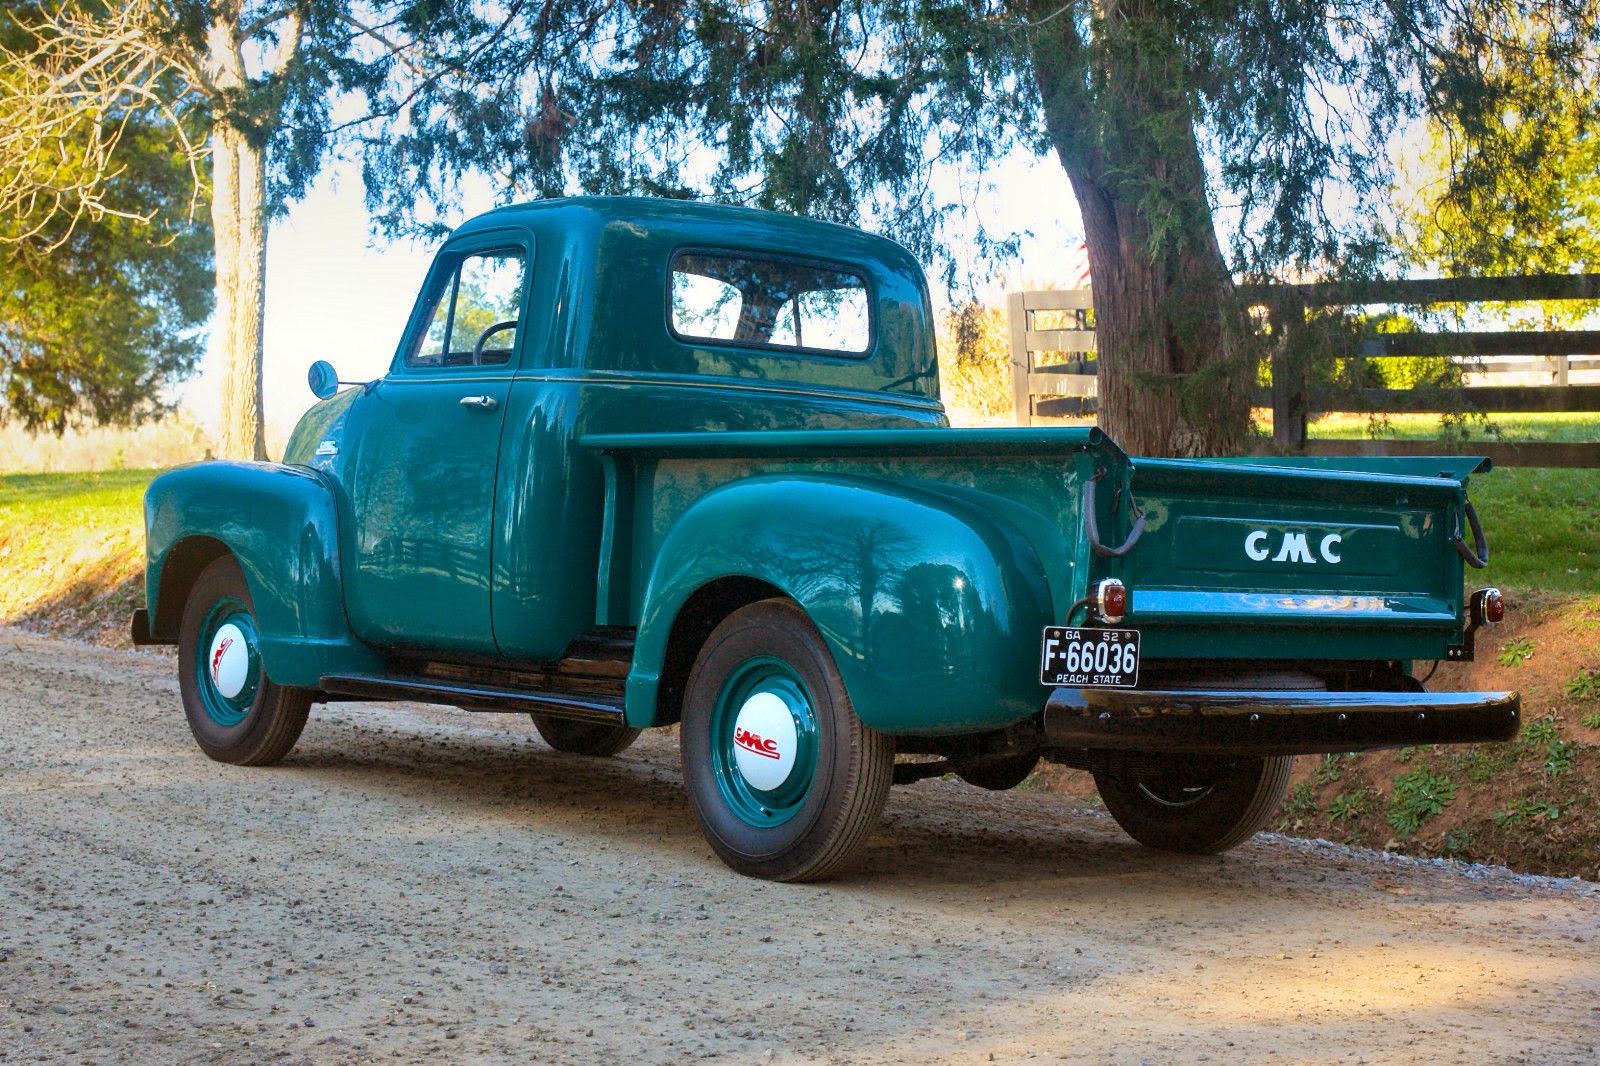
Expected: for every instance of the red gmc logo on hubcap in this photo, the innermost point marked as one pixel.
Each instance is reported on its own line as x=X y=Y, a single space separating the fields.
x=751 y=742
x=216 y=660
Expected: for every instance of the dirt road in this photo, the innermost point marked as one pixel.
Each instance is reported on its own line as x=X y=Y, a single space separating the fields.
x=424 y=885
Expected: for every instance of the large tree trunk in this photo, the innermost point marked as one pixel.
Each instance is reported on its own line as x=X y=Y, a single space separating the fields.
x=238 y=219
x=1175 y=352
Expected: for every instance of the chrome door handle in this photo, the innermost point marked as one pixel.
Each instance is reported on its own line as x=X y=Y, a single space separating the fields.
x=482 y=403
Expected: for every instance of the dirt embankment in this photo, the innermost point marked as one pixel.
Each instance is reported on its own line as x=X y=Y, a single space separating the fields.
x=421 y=885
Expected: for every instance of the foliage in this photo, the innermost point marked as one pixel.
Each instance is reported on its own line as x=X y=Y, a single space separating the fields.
x=1558 y=757
x=975 y=360
x=1349 y=807
x=1418 y=796
x=102 y=293
x=247 y=86
x=1300 y=804
x=1457 y=843
x=1592 y=720
x=1585 y=685
x=1481 y=762
x=1509 y=182
x=1539 y=732
x=1521 y=812
x=1515 y=652
x=1332 y=767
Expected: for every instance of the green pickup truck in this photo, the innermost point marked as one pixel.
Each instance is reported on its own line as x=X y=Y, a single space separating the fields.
x=647 y=463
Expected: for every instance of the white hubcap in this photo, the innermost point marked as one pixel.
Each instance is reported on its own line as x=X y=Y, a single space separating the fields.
x=230 y=661
x=764 y=741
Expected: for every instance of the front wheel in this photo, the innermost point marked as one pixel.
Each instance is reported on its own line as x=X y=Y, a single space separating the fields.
x=236 y=712
x=785 y=779
x=1203 y=812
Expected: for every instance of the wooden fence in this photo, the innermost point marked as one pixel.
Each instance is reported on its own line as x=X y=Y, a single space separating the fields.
x=1068 y=388
x=1043 y=392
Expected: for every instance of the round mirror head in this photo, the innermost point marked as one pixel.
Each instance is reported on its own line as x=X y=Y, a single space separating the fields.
x=323 y=379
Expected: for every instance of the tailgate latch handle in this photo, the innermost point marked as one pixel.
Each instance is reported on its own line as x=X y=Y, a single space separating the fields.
x=1477 y=556
x=1092 y=527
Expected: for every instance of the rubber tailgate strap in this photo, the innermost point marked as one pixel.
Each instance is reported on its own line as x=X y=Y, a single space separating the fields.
x=1479 y=558
x=1092 y=527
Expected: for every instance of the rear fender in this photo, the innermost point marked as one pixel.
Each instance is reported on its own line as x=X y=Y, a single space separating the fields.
x=931 y=608
x=280 y=523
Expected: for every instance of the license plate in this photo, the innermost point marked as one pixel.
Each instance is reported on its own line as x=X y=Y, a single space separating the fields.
x=1090 y=658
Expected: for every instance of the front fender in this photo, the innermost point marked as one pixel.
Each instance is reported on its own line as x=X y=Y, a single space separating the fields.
x=931 y=608
x=280 y=523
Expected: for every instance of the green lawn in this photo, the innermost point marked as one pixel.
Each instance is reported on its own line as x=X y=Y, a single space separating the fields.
x=84 y=501
x=1571 y=427
x=1543 y=528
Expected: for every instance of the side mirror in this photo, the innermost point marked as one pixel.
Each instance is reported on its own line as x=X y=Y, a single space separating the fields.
x=323 y=379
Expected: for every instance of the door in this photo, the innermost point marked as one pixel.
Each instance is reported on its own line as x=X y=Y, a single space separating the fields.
x=422 y=483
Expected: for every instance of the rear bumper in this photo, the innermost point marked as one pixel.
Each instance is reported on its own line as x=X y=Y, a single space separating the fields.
x=1225 y=722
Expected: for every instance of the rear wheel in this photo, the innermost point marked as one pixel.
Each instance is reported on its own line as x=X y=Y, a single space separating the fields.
x=598 y=739
x=236 y=712
x=1204 y=811
x=786 y=781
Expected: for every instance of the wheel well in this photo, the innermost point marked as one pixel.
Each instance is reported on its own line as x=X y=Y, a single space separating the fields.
x=182 y=566
x=702 y=612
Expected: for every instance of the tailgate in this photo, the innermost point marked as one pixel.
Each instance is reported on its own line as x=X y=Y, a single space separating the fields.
x=1247 y=560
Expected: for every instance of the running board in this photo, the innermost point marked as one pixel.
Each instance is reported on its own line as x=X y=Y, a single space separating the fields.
x=586 y=707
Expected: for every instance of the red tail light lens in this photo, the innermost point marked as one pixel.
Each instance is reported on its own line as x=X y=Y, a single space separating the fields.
x=1494 y=607
x=1112 y=600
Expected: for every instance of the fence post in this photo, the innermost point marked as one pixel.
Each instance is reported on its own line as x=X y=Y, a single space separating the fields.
x=1021 y=359
x=1288 y=316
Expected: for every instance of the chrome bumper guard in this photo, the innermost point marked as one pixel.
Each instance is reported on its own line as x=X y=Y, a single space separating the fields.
x=1267 y=722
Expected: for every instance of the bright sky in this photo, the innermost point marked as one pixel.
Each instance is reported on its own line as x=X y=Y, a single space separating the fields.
x=334 y=292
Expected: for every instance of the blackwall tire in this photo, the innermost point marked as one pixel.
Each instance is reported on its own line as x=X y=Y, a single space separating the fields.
x=1204 y=813
x=786 y=781
x=596 y=739
x=236 y=713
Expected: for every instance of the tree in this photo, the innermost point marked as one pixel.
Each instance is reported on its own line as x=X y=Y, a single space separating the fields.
x=1157 y=109
x=1514 y=188
x=107 y=274
x=257 y=77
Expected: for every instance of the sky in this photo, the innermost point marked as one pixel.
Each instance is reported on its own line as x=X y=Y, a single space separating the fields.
x=335 y=292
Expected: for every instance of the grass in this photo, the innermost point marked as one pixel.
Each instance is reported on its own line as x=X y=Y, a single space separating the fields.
x=72 y=550
x=93 y=495
x=1568 y=426
x=43 y=514
x=1543 y=528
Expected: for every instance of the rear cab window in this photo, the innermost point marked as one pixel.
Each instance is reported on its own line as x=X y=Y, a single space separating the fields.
x=745 y=300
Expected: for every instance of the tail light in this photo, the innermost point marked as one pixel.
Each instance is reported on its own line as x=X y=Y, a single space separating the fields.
x=1488 y=607
x=1112 y=600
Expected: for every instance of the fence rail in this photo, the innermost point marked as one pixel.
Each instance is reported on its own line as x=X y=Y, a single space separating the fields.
x=1067 y=388
x=1042 y=392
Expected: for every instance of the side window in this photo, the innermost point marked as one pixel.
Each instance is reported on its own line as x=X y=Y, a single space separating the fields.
x=474 y=321
x=769 y=303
